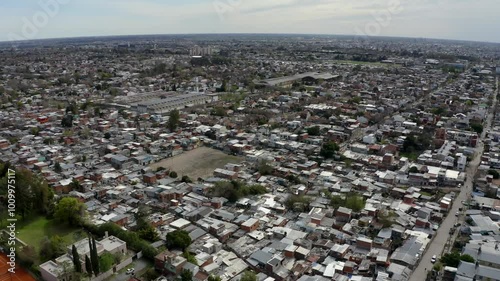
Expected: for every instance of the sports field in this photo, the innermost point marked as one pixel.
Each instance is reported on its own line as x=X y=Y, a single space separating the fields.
x=19 y=275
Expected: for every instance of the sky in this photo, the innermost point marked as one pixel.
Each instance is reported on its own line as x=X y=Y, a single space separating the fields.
x=476 y=20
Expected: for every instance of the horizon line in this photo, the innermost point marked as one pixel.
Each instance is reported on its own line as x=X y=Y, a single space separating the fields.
x=245 y=33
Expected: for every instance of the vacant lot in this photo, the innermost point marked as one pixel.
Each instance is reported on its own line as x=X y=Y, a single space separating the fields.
x=198 y=163
x=33 y=231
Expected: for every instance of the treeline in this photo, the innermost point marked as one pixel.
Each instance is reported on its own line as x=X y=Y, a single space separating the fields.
x=235 y=190
x=33 y=195
x=133 y=240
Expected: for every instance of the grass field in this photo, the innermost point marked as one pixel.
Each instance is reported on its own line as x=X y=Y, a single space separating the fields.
x=197 y=163
x=33 y=231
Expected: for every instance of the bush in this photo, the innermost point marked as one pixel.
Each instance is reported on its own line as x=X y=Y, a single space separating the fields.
x=494 y=173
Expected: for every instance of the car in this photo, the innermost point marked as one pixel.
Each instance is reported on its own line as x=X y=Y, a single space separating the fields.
x=458 y=224
x=130 y=271
x=457 y=214
x=433 y=259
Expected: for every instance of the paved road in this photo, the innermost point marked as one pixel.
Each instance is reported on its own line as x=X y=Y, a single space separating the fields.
x=442 y=236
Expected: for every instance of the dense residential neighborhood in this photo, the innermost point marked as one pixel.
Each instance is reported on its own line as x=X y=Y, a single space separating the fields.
x=252 y=158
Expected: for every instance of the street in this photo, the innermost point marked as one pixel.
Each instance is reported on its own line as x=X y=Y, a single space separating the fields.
x=442 y=236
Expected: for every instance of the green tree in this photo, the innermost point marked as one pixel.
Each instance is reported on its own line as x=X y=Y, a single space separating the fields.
x=190 y=258
x=94 y=258
x=314 y=131
x=35 y=131
x=248 y=276
x=57 y=167
x=186 y=179
x=214 y=278
x=178 y=239
x=476 y=127
x=69 y=210
x=173 y=174
x=33 y=195
x=106 y=261
x=329 y=149
x=149 y=233
x=355 y=202
x=467 y=258
x=186 y=275
x=51 y=248
x=173 y=120
x=88 y=265
x=76 y=259
x=451 y=259
x=494 y=173
x=413 y=170
x=264 y=168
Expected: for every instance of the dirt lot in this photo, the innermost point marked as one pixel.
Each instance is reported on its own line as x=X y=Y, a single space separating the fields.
x=198 y=163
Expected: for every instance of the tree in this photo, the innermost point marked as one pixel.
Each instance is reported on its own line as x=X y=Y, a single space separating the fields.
x=67 y=121
x=33 y=195
x=173 y=174
x=476 y=127
x=173 y=120
x=329 y=149
x=51 y=248
x=107 y=135
x=149 y=233
x=314 y=131
x=355 y=202
x=70 y=210
x=494 y=173
x=451 y=259
x=413 y=170
x=94 y=258
x=186 y=179
x=57 y=167
x=178 y=239
x=35 y=131
x=76 y=259
x=248 y=276
x=88 y=265
x=467 y=258
x=214 y=278
x=106 y=261
x=190 y=258
x=75 y=185
x=264 y=168
x=186 y=275
x=27 y=255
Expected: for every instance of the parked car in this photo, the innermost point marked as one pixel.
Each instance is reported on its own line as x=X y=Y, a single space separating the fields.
x=130 y=271
x=433 y=259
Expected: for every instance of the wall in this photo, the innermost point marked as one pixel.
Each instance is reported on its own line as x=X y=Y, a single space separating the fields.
x=110 y=272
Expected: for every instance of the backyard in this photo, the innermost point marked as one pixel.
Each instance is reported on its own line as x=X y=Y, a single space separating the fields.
x=34 y=230
x=197 y=163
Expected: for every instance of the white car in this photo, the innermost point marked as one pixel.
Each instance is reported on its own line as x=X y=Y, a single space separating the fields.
x=130 y=271
x=433 y=259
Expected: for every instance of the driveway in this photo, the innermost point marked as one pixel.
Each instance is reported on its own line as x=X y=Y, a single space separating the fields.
x=138 y=264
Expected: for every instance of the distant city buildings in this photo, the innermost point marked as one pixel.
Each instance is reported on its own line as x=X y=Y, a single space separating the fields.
x=201 y=51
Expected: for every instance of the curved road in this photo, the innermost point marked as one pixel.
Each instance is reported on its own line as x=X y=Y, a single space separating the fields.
x=436 y=247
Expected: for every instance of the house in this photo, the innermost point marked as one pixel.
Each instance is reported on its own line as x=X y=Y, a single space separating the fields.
x=168 y=263
x=53 y=270
x=250 y=225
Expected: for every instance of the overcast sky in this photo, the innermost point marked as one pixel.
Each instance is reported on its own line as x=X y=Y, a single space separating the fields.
x=477 y=20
